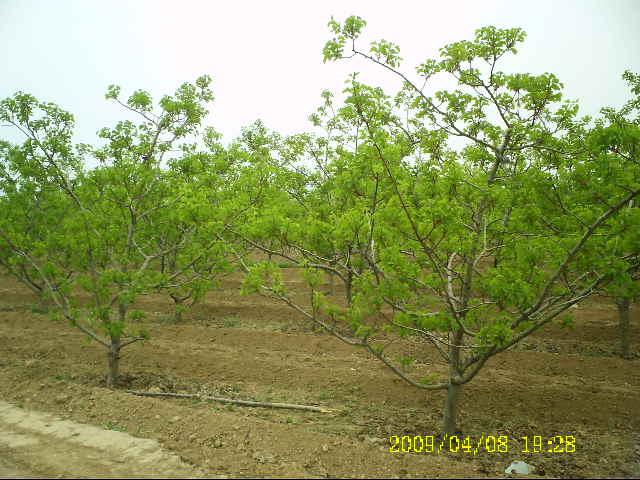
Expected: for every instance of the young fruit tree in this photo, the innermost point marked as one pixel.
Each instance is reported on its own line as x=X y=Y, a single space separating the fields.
x=469 y=257
x=114 y=230
x=616 y=139
x=33 y=209
x=207 y=183
x=320 y=222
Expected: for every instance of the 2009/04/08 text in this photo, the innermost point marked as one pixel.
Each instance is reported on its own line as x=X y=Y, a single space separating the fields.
x=485 y=443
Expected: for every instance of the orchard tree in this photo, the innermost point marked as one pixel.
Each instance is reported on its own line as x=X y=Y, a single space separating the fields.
x=321 y=221
x=33 y=209
x=280 y=189
x=469 y=226
x=615 y=140
x=207 y=182
x=120 y=210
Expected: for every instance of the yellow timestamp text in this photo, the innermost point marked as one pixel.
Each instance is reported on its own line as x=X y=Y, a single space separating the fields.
x=470 y=445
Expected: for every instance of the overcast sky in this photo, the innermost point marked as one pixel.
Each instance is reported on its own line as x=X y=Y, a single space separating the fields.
x=266 y=57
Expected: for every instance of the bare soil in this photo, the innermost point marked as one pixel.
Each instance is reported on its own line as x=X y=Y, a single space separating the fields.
x=43 y=443
x=560 y=381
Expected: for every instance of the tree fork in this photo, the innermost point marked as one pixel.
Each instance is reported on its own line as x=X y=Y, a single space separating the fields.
x=177 y=308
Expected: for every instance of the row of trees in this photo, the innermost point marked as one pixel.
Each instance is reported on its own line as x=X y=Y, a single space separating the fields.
x=469 y=244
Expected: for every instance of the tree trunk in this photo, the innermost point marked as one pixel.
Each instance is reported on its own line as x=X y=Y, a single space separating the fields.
x=178 y=309
x=44 y=304
x=314 y=312
x=454 y=390
x=113 y=356
x=347 y=286
x=451 y=409
x=624 y=304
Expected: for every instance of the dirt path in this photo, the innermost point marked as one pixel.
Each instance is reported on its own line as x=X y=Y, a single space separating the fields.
x=34 y=443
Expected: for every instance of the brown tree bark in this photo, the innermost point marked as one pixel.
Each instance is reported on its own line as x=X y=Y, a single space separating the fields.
x=624 y=326
x=113 y=355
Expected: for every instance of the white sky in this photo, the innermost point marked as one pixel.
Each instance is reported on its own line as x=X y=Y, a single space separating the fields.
x=266 y=57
